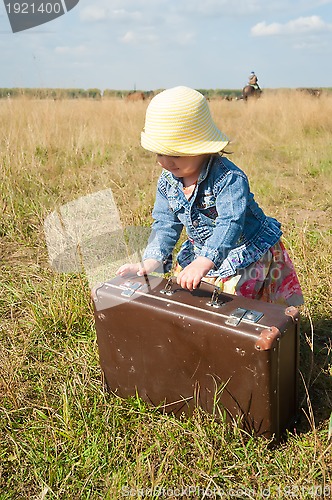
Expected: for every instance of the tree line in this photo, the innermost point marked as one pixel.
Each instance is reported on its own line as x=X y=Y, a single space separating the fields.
x=95 y=93
x=62 y=93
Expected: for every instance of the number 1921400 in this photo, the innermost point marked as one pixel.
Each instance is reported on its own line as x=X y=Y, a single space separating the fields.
x=34 y=8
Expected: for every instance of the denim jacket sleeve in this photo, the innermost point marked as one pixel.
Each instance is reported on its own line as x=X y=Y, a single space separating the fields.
x=166 y=229
x=232 y=193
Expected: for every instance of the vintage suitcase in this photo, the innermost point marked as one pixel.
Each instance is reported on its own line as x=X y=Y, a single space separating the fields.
x=178 y=349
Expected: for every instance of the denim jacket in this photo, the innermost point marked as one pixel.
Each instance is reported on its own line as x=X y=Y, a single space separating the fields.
x=222 y=220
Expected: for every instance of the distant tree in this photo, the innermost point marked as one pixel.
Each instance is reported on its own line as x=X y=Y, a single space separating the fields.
x=75 y=93
x=94 y=93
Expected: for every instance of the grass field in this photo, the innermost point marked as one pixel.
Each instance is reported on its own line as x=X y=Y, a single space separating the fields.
x=61 y=435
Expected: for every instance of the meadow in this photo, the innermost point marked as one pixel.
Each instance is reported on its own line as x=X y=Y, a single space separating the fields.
x=62 y=436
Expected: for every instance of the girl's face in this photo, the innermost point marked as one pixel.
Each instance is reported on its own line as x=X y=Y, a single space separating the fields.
x=182 y=166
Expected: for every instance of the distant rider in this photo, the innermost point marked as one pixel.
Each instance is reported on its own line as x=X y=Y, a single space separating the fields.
x=253 y=81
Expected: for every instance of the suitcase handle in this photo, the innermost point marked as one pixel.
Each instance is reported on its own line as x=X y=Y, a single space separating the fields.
x=236 y=316
x=215 y=300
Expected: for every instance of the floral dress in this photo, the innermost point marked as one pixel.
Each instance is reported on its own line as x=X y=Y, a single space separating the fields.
x=271 y=279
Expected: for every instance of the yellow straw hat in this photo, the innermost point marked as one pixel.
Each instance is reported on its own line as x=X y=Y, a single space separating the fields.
x=178 y=122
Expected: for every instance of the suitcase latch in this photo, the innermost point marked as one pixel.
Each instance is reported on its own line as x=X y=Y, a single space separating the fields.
x=240 y=314
x=253 y=316
x=168 y=287
x=215 y=300
x=130 y=288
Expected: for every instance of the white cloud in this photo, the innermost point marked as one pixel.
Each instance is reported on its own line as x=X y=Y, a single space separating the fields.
x=148 y=10
x=220 y=8
x=97 y=13
x=93 y=13
x=310 y=45
x=312 y=24
x=131 y=37
x=185 y=38
x=78 y=50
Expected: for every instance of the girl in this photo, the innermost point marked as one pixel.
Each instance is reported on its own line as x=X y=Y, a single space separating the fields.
x=231 y=242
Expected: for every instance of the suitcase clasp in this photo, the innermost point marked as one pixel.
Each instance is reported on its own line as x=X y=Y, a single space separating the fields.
x=215 y=298
x=168 y=287
x=130 y=288
x=240 y=314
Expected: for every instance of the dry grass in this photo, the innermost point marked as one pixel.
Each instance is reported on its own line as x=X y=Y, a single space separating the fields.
x=61 y=435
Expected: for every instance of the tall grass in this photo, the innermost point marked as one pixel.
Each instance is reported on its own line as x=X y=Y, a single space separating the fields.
x=62 y=436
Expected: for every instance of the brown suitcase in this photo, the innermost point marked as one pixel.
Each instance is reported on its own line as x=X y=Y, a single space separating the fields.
x=179 y=349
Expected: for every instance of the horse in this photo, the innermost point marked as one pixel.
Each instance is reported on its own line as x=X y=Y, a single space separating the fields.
x=135 y=96
x=250 y=91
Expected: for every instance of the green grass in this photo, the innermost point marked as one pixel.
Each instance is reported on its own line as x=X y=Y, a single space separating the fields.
x=62 y=436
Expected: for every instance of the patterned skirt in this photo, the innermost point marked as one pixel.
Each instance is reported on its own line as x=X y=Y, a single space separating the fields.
x=271 y=279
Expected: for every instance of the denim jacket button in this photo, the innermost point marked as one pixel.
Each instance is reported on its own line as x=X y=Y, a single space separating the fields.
x=195 y=223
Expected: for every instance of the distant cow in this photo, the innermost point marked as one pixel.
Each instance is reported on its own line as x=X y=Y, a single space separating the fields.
x=136 y=96
x=313 y=92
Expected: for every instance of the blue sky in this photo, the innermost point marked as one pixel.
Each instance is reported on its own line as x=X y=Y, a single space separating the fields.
x=152 y=44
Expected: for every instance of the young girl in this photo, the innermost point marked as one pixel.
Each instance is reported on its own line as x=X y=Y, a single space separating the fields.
x=231 y=242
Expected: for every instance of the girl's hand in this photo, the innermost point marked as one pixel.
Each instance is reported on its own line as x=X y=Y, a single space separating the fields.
x=128 y=269
x=190 y=277
x=138 y=269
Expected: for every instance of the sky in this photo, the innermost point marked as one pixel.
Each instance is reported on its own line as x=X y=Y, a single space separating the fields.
x=155 y=44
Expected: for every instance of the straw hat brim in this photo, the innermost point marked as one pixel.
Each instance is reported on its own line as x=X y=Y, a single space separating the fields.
x=202 y=147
